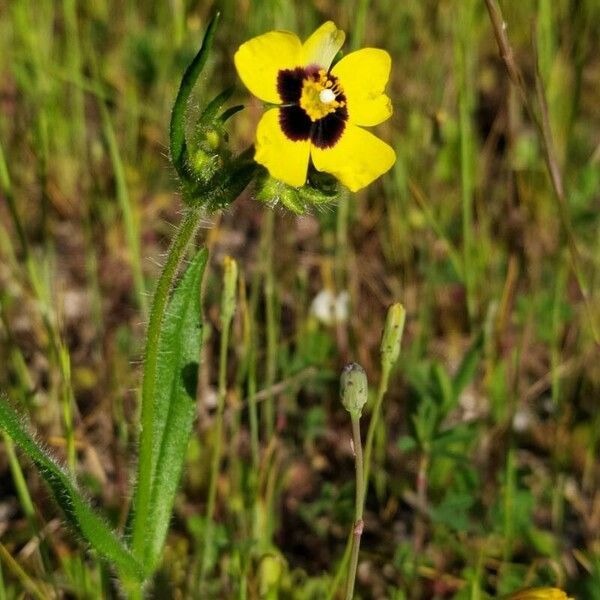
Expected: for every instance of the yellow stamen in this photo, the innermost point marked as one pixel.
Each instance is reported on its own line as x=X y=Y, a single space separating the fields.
x=318 y=97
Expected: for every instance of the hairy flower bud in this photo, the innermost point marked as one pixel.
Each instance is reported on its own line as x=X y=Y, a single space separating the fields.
x=205 y=164
x=354 y=388
x=272 y=191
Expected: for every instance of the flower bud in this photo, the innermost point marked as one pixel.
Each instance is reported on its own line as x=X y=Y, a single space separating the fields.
x=272 y=191
x=205 y=164
x=316 y=196
x=208 y=152
x=229 y=289
x=392 y=335
x=212 y=137
x=320 y=189
x=354 y=388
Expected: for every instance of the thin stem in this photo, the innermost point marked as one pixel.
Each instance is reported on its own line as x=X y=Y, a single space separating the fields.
x=159 y=304
x=217 y=450
x=76 y=96
x=5 y=182
x=509 y=501
x=19 y=480
x=68 y=403
x=359 y=507
x=269 y=291
x=422 y=479
x=27 y=505
x=360 y=22
x=20 y=574
x=76 y=100
x=375 y=417
x=545 y=136
x=251 y=384
x=341 y=268
x=341 y=240
x=130 y=222
x=466 y=155
x=270 y=487
x=342 y=568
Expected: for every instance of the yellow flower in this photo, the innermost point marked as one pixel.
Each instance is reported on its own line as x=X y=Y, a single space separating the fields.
x=319 y=110
x=540 y=594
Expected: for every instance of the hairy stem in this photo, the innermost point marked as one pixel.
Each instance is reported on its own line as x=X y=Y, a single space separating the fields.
x=159 y=303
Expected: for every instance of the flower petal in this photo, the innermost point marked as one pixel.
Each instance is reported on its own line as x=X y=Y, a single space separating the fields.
x=357 y=159
x=259 y=60
x=322 y=46
x=363 y=75
x=285 y=159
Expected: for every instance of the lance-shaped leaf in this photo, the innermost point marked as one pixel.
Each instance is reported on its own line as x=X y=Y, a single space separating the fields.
x=177 y=140
x=175 y=401
x=80 y=515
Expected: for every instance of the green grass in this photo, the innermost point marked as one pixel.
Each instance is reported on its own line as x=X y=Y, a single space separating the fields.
x=482 y=461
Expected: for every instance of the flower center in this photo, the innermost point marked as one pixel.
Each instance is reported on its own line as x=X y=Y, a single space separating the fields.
x=319 y=95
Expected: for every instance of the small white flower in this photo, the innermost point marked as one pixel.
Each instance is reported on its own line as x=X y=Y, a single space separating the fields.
x=328 y=308
x=522 y=421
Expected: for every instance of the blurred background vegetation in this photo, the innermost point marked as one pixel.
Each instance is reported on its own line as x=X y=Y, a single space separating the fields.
x=486 y=468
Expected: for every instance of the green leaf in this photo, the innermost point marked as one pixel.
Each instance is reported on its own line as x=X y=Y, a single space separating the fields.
x=214 y=106
x=86 y=522
x=178 y=144
x=453 y=510
x=175 y=401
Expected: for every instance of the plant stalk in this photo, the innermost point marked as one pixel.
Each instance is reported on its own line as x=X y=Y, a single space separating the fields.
x=359 y=507
x=159 y=304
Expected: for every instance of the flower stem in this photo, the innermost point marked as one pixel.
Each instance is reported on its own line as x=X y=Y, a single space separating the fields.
x=358 y=514
x=375 y=416
x=390 y=350
x=159 y=304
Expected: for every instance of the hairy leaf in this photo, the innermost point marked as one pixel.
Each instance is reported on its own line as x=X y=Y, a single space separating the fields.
x=86 y=522
x=177 y=130
x=175 y=401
